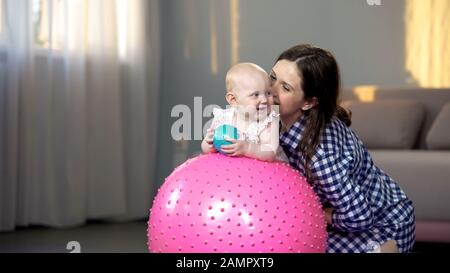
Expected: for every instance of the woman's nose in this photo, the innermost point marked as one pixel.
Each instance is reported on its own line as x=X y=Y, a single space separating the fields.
x=274 y=91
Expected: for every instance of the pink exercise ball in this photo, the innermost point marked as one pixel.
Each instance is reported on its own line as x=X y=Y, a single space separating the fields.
x=216 y=203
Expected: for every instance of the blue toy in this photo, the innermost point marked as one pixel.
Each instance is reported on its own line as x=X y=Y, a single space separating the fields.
x=221 y=132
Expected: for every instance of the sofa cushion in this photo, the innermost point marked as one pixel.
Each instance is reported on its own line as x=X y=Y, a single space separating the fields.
x=432 y=98
x=439 y=134
x=387 y=124
x=423 y=175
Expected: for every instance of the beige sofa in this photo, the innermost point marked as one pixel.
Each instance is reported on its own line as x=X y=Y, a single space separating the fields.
x=407 y=132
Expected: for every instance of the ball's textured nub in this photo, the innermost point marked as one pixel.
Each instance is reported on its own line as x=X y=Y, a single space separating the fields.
x=215 y=203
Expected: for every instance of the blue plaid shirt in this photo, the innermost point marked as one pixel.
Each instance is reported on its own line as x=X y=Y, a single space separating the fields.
x=367 y=203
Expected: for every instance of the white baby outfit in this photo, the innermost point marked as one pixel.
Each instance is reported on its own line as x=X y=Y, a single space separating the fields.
x=251 y=134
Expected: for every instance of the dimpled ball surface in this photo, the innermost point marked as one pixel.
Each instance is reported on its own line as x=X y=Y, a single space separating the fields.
x=215 y=203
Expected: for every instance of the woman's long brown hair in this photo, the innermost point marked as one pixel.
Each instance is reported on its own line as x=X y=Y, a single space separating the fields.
x=320 y=76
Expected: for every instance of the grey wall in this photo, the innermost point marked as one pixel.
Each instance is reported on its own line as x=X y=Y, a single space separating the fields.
x=368 y=42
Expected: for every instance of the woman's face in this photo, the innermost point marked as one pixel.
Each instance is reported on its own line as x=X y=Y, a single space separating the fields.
x=286 y=88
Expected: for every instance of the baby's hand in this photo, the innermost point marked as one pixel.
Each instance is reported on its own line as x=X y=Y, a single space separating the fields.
x=209 y=136
x=237 y=148
x=207 y=143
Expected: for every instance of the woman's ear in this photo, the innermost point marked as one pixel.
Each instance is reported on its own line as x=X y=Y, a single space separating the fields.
x=310 y=103
x=231 y=98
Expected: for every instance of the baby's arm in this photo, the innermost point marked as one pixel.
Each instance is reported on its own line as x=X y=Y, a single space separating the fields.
x=266 y=150
x=269 y=140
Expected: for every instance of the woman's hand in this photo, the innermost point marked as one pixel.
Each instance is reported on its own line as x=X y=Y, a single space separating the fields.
x=328 y=215
x=237 y=148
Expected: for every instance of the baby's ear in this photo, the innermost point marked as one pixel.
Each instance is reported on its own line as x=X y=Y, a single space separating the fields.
x=231 y=98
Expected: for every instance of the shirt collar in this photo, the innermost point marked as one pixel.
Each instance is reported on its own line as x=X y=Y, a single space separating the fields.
x=292 y=136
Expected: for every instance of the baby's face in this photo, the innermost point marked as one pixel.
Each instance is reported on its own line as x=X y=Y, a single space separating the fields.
x=254 y=95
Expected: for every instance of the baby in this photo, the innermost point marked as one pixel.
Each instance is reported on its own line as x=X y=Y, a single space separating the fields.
x=248 y=94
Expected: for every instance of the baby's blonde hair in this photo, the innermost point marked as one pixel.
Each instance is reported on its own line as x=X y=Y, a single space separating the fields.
x=237 y=70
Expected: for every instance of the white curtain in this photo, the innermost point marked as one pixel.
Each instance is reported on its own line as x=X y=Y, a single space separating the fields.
x=78 y=111
x=427 y=38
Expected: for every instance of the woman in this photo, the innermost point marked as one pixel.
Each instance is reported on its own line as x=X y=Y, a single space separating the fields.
x=365 y=209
